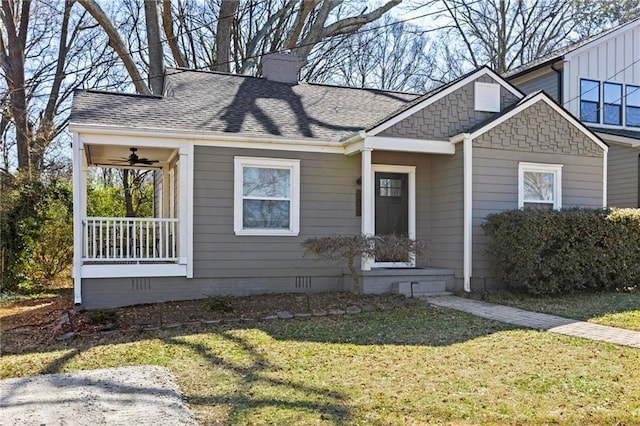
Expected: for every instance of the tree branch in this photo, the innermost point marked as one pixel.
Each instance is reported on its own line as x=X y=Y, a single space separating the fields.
x=117 y=43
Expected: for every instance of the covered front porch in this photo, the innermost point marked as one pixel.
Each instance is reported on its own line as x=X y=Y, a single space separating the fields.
x=122 y=246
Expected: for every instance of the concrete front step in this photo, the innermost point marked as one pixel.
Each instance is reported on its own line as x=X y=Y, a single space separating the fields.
x=418 y=288
x=410 y=282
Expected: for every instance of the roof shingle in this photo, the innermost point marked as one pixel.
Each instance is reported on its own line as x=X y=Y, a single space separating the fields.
x=220 y=102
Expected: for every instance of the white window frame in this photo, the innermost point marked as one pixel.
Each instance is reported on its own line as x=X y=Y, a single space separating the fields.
x=267 y=163
x=556 y=169
x=487 y=97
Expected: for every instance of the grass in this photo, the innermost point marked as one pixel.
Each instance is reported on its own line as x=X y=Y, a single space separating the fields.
x=412 y=365
x=616 y=309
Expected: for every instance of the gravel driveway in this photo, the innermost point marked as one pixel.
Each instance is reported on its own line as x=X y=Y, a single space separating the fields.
x=115 y=396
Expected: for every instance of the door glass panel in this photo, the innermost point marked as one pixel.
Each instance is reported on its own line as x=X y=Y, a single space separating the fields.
x=390 y=188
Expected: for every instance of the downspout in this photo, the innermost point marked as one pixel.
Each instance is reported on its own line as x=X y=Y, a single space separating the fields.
x=560 y=88
x=468 y=210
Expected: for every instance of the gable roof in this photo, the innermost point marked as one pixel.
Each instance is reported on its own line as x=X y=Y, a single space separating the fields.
x=523 y=104
x=203 y=101
x=431 y=97
x=560 y=53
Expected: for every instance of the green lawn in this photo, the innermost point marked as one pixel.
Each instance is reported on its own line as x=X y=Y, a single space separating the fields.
x=617 y=309
x=413 y=365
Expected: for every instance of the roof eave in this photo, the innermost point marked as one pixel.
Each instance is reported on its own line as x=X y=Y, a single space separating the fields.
x=193 y=135
x=536 y=67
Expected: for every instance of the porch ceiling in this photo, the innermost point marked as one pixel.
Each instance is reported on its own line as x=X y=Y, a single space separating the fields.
x=116 y=155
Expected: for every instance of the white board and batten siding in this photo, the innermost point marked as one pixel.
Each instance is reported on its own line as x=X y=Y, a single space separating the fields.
x=614 y=58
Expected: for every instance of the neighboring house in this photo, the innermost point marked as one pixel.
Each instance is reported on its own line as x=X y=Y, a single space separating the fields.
x=598 y=80
x=248 y=168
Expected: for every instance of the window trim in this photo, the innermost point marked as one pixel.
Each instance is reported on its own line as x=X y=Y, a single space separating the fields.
x=293 y=165
x=597 y=103
x=619 y=105
x=556 y=169
x=627 y=106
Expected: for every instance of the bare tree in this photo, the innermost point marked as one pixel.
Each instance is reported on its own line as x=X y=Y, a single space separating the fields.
x=117 y=43
x=228 y=10
x=387 y=54
x=156 y=56
x=247 y=29
x=45 y=52
x=506 y=33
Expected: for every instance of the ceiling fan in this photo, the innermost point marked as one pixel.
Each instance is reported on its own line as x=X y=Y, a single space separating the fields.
x=133 y=159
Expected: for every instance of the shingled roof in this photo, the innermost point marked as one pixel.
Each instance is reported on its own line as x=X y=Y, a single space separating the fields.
x=227 y=103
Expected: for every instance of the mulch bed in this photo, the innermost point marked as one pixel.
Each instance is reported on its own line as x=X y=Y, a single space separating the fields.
x=43 y=321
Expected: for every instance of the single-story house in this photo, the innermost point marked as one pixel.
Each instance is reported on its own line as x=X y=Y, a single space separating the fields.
x=248 y=168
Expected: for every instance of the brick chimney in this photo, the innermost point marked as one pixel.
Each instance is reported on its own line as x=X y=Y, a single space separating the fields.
x=281 y=67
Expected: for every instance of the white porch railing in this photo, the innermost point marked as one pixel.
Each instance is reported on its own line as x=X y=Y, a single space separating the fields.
x=131 y=239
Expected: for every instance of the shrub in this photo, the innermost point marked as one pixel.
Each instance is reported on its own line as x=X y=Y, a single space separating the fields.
x=551 y=252
x=36 y=231
x=102 y=316
x=346 y=249
x=220 y=303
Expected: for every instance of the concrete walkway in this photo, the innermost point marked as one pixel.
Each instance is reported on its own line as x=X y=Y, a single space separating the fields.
x=145 y=395
x=546 y=322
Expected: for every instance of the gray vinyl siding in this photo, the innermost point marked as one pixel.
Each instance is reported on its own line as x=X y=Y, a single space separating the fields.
x=115 y=292
x=449 y=115
x=327 y=207
x=547 y=82
x=549 y=139
x=447 y=210
x=623 y=179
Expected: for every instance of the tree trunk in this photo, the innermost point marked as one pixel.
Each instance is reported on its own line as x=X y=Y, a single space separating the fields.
x=128 y=196
x=350 y=25
x=118 y=44
x=167 y=23
x=228 y=10
x=12 y=59
x=156 y=56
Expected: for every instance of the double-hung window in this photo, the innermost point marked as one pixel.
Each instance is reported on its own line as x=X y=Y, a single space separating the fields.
x=589 y=101
x=540 y=186
x=612 y=112
x=633 y=105
x=266 y=196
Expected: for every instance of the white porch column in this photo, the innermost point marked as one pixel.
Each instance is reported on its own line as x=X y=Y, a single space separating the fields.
x=468 y=211
x=79 y=213
x=183 y=173
x=164 y=205
x=368 y=223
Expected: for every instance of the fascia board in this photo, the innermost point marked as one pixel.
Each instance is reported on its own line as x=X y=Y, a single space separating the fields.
x=94 y=133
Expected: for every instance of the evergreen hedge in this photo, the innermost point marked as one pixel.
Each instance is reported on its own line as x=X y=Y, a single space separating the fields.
x=551 y=252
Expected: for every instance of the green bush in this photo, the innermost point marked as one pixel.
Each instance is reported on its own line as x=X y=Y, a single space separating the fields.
x=217 y=303
x=36 y=231
x=102 y=316
x=552 y=252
